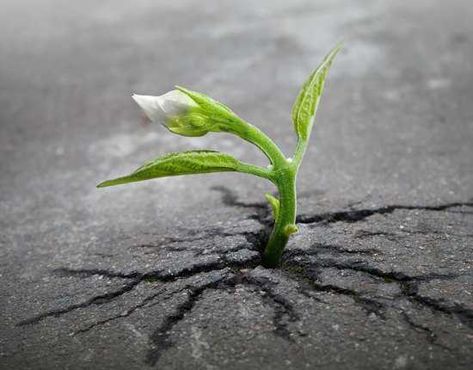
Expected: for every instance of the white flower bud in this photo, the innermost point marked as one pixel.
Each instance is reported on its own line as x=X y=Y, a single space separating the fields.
x=164 y=107
x=187 y=113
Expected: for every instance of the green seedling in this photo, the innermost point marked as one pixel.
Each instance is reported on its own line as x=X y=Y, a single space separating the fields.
x=189 y=113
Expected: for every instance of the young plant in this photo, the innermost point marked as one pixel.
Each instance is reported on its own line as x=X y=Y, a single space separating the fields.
x=189 y=113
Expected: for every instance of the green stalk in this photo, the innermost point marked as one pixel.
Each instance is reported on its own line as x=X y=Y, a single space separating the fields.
x=285 y=222
x=284 y=177
x=255 y=136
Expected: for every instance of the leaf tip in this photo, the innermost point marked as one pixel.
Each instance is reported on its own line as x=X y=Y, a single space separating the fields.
x=103 y=184
x=333 y=53
x=182 y=89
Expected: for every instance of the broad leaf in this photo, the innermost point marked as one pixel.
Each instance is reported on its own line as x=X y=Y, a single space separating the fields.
x=305 y=106
x=175 y=164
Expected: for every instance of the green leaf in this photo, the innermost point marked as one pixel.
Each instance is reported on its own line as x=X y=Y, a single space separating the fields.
x=175 y=164
x=305 y=106
x=274 y=202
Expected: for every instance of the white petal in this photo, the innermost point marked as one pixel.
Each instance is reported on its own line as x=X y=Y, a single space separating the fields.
x=175 y=102
x=150 y=106
x=159 y=108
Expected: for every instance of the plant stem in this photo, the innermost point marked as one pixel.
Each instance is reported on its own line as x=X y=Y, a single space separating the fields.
x=284 y=225
x=255 y=136
x=283 y=174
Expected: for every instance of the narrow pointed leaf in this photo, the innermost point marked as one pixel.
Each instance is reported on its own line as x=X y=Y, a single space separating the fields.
x=274 y=202
x=305 y=106
x=175 y=164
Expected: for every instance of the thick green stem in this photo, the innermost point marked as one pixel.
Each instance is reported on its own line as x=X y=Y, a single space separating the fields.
x=282 y=173
x=284 y=224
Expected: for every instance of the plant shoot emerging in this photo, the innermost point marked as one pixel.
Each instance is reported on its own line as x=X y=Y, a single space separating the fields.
x=189 y=113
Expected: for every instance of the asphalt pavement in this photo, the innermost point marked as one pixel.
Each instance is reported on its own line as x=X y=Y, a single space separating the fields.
x=166 y=274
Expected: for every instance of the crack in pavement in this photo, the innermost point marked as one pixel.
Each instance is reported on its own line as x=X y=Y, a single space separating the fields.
x=294 y=256
x=306 y=273
x=160 y=338
x=127 y=313
x=97 y=300
x=301 y=266
x=153 y=276
x=338 y=249
x=255 y=243
x=306 y=276
x=283 y=310
x=281 y=306
x=429 y=333
x=357 y=215
x=465 y=315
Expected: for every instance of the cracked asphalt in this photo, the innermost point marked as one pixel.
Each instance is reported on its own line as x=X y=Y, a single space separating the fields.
x=166 y=274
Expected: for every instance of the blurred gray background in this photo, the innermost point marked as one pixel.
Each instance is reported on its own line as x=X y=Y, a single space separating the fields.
x=395 y=126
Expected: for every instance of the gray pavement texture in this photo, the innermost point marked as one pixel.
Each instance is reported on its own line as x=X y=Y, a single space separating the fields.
x=166 y=274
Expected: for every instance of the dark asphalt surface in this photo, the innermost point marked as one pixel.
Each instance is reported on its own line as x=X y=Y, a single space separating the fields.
x=165 y=274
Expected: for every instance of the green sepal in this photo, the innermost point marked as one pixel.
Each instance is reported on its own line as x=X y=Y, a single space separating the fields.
x=274 y=202
x=220 y=118
x=175 y=164
x=305 y=106
x=192 y=124
x=206 y=102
